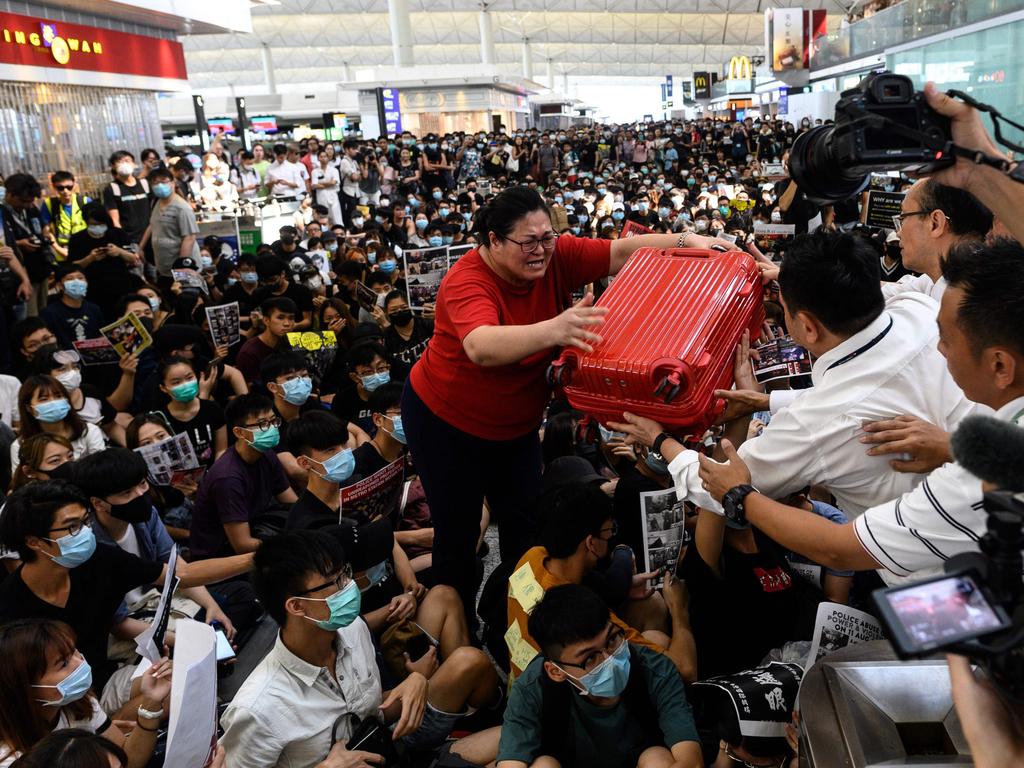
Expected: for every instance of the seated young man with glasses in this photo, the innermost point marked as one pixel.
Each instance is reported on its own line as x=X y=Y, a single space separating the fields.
x=301 y=703
x=243 y=483
x=594 y=698
x=576 y=537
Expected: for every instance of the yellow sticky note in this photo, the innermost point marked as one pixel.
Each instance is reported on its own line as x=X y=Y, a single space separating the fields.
x=525 y=588
x=520 y=652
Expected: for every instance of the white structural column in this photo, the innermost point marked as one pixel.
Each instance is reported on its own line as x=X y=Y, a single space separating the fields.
x=551 y=75
x=401 y=32
x=346 y=72
x=486 y=37
x=268 y=69
x=527 y=60
x=565 y=83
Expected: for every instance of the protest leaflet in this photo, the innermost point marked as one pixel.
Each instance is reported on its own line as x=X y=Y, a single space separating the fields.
x=632 y=229
x=366 y=298
x=320 y=347
x=376 y=496
x=192 y=729
x=225 y=327
x=882 y=207
x=763 y=697
x=781 y=359
x=456 y=252
x=424 y=270
x=773 y=231
x=664 y=528
x=127 y=335
x=98 y=351
x=189 y=278
x=171 y=460
x=837 y=626
x=150 y=643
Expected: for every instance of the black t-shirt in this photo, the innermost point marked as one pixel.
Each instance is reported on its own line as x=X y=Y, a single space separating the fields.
x=309 y=513
x=133 y=205
x=201 y=429
x=73 y=323
x=409 y=350
x=350 y=406
x=97 y=588
x=279 y=250
x=109 y=278
x=368 y=461
x=246 y=301
x=752 y=608
x=300 y=294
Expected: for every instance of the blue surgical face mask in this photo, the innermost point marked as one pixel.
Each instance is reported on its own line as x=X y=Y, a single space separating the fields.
x=444 y=212
x=97 y=230
x=230 y=282
x=437 y=195
x=358 y=221
x=375 y=380
x=250 y=277
x=371 y=256
x=162 y=190
x=609 y=678
x=465 y=214
x=435 y=241
x=344 y=606
x=448 y=239
x=656 y=463
x=375 y=574
x=397 y=429
x=52 y=411
x=297 y=390
x=339 y=467
x=574 y=230
x=664 y=212
x=421 y=223
x=206 y=261
x=75 y=288
x=71 y=688
x=618 y=215
x=76 y=549
x=387 y=266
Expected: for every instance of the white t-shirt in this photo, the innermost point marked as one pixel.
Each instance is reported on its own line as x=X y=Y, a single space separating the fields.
x=130 y=543
x=9 y=387
x=328 y=196
x=97 y=722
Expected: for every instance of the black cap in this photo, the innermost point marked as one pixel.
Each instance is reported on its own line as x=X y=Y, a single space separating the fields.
x=569 y=470
x=185 y=262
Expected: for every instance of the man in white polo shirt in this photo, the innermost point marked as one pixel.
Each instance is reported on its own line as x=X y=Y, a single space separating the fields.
x=872 y=360
x=287 y=178
x=981 y=328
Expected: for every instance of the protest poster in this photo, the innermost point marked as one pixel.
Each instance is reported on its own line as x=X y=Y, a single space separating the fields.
x=632 y=229
x=320 y=347
x=773 y=231
x=170 y=460
x=127 y=335
x=376 y=496
x=763 y=698
x=664 y=528
x=189 y=278
x=773 y=170
x=424 y=270
x=225 y=324
x=365 y=297
x=456 y=252
x=837 y=626
x=150 y=643
x=98 y=351
x=781 y=358
x=192 y=729
x=882 y=207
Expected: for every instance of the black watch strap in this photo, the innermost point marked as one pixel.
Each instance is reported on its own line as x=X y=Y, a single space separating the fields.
x=660 y=441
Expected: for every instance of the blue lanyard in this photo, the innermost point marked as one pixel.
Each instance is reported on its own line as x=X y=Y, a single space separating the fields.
x=861 y=350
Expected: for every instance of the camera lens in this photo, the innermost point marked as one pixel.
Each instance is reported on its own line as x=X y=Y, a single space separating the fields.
x=818 y=173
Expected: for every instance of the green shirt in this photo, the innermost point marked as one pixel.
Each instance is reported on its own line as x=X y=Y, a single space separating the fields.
x=602 y=737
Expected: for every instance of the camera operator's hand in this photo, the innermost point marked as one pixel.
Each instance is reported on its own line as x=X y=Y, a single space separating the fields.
x=992 y=726
x=968 y=132
x=925 y=443
x=29 y=244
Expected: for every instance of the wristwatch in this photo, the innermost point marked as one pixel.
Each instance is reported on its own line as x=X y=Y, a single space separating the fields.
x=659 y=441
x=733 y=501
x=147 y=714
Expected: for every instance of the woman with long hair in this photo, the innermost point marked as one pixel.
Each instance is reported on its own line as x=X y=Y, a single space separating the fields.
x=39 y=456
x=45 y=406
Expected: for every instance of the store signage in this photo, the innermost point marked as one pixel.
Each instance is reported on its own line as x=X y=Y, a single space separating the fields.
x=392 y=111
x=36 y=42
x=739 y=68
x=783 y=101
x=702 y=85
x=668 y=86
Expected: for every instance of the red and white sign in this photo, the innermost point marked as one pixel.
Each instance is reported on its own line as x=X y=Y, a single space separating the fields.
x=28 y=41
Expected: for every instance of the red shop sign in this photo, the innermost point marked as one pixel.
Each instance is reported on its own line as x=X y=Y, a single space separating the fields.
x=34 y=42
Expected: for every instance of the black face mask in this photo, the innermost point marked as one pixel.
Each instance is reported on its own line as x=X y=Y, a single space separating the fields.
x=138 y=510
x=63 y=472
x=401 y=317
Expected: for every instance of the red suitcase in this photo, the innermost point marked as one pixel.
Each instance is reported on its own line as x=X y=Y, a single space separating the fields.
x=668 y=340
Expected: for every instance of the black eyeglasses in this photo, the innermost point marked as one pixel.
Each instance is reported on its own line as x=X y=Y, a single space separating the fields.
x=529 y=246
x=75 y=527
x=613 y=641
x=263 y=424
x=339 y=580
x=897 y=220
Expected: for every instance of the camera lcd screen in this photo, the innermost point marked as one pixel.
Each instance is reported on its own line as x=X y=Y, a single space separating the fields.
x=885 y=138
x=942 y=611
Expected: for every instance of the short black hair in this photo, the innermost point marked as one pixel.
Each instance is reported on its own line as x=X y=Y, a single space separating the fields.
x=967 y=216
x=110 y=471
x=244 y=407
x=384 y=398
x=377 y=278
x=392 y=295
x=58 y=176
x=23 y=185
x=571 y=513
x=72 y=748
x=281 y=303
x=129 y=298
x=991 y=312
x=316 y=430
x=96 y=212
x=282 y=363
x=26 y=327
x=353 y=270
x=30 y=511
x=270 y=266
x=120 y=154
x=160 y=172
x=505 y=209
x=363 y=354
x=282 y=564
x=569 y=613
x=834 y=276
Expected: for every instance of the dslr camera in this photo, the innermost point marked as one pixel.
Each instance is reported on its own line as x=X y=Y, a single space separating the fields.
x=881 y=125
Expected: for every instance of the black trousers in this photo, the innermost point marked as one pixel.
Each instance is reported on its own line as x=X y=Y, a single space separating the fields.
x=459 y=471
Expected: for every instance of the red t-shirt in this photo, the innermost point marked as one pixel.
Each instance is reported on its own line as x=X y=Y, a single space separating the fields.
x=507 y=401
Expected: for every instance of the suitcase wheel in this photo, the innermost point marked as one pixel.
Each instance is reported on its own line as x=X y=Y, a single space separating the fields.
x=559 y=374
x=669 y=387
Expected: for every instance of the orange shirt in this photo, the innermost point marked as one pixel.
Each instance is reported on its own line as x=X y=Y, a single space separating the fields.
x=526 y=587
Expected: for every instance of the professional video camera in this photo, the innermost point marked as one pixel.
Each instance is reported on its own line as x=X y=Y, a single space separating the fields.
x=975 y=608
x=881 y=125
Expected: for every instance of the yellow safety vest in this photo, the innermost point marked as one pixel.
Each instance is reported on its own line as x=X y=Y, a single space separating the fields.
x=65 y=226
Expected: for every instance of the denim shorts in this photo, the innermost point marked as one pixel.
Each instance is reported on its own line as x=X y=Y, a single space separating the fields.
x=433 y=730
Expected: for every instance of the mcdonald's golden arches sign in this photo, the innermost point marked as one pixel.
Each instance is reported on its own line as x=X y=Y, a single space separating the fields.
x=739 y=68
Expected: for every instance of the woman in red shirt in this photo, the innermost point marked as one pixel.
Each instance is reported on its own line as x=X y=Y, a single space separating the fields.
x=474 y=401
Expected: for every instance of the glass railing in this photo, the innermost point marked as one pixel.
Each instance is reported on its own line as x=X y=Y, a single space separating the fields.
x=901 y=23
